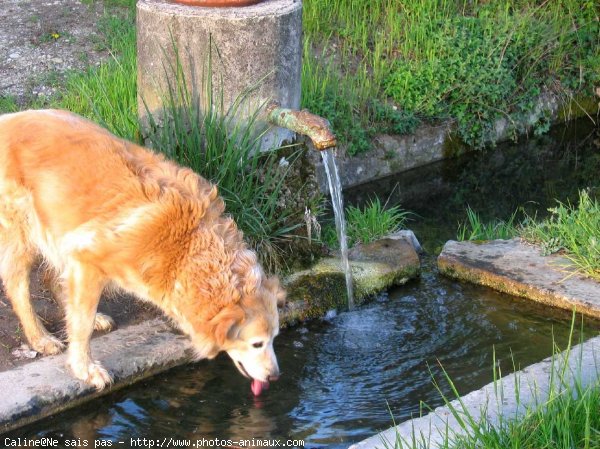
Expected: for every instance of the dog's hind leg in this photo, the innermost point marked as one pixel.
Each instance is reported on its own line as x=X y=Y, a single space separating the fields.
x=16 y=284
x=83 y=287
x=16 y=259
x=51 y=281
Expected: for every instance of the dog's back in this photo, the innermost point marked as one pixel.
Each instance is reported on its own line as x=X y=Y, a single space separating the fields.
x=67 y=171
x=72 y=165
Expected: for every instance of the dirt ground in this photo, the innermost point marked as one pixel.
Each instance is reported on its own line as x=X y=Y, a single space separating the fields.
x=41 y=41
x=14 y=350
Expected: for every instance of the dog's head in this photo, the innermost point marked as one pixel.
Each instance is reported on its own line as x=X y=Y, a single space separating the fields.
x=249 y=342
x=236 y=312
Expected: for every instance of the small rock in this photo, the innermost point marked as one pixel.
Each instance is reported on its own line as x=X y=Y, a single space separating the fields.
x=24 y=352
x=330 y=315
x=14 y=55
x=410 y=237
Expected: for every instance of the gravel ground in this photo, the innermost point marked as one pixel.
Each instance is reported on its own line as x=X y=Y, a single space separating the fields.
x=40 y=41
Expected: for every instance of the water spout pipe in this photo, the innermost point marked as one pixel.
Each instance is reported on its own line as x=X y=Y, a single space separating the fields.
x=303 y=122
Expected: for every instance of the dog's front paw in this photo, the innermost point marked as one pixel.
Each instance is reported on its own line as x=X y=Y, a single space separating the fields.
x=48 y=345
x=103 y=322
x=92 y=373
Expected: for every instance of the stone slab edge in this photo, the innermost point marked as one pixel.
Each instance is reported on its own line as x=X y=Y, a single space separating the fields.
x=496 y=402
x=519 y=269
x=45 y=386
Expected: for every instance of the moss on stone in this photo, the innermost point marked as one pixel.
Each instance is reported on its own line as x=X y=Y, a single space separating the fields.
x=453 y=145
x=378 y=277
x=312 y=293
x=578 y=106
x=320 y=292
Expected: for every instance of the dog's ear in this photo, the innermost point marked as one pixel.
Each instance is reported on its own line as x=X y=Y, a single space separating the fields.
x=272 y=284
x=224 y=323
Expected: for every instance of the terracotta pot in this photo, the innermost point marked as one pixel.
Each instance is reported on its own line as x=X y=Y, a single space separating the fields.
x=217 y=3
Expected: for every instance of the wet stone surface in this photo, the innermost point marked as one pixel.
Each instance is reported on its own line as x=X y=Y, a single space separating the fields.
x=517 y=268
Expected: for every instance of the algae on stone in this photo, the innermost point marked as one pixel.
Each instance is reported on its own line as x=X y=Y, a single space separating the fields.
x=375 y=267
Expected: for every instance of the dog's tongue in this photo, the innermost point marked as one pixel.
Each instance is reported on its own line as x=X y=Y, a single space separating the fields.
x=258 y=386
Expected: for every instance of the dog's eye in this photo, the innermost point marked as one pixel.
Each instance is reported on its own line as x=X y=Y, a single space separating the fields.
x=258 y=344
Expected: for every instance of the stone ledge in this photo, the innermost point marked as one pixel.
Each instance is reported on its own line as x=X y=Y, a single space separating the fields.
x=375 y=267
x=513 y=267
x=44 y=387
x=507 y=399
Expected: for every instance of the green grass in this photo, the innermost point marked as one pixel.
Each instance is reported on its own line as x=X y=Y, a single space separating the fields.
x=8 y=104
x=474 y=228
x=107 y=93
x=367 y=224
x=567 y=419
x=350 y=102
x=472 y=61
x=575 y=229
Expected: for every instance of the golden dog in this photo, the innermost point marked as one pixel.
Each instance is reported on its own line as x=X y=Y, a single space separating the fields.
x=103 y=212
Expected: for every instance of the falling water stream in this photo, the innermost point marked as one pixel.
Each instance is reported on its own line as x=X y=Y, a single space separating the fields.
x=335 y=189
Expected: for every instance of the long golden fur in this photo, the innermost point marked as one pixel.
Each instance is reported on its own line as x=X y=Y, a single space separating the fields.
x=102 y=212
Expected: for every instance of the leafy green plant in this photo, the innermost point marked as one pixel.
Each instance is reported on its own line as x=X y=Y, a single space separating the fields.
x=476 y=229
x=475 y=62
x=572 y=228
x=49 y=36
x=367 y=224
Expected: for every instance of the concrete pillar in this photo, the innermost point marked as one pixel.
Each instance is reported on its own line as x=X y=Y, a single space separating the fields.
x=259 y=44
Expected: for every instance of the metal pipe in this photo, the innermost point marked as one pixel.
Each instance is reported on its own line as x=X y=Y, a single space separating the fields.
x=303 y=122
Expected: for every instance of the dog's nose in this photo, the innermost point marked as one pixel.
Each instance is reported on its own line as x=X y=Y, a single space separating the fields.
x=274 y=377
